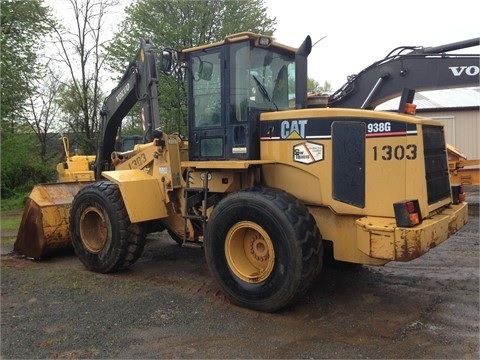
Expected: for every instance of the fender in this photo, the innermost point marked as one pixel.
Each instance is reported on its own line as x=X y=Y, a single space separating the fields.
x=141 y=194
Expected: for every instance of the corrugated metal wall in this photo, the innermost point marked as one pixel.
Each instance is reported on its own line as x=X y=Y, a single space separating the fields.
x=462 y=129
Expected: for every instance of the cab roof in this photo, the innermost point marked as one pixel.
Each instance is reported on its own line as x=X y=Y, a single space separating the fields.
x=260 y=40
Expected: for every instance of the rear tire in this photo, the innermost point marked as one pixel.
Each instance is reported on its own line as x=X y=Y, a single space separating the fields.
x=102 y=235
x=263 y=248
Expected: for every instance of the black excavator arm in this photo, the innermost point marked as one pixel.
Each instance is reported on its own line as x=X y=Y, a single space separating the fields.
x=420 y=69
x=138 y=84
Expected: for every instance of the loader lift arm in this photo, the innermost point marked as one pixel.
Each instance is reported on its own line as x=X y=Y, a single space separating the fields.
x=138 y=84
x=431 y=68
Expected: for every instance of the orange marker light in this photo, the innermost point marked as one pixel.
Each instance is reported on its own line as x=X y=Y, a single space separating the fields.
x=410 y=109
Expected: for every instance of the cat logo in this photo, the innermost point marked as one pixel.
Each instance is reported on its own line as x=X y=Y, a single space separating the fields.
x=293 y=129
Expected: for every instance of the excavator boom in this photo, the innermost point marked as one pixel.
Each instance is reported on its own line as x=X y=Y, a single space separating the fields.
x=421 y=69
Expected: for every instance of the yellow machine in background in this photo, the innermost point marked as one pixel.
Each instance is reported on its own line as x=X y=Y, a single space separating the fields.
x=78 y=167
x=264 y=183
x=75 y=167
x=462 y=170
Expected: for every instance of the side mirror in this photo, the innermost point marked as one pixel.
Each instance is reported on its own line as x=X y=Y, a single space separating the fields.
x=201 y=70
x=206 y=70
x=165 y=61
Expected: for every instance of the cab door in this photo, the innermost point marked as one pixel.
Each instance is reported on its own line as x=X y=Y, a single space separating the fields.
x=206 y=109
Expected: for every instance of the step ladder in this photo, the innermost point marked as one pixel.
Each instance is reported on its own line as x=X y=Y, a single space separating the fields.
x=193 y=197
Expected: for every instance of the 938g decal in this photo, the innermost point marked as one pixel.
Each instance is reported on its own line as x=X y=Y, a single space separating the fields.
x=379 y=127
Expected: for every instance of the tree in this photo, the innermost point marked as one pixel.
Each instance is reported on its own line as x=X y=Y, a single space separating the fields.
x=80 y=50
x=43 y=110
x=179 y=24
x=26 y=162
x=25 y=23
x=314 y=86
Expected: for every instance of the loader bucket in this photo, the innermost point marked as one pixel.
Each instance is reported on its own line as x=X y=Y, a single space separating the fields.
x=44 y=229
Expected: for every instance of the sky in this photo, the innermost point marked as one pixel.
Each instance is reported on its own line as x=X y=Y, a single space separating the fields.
x=358 y=33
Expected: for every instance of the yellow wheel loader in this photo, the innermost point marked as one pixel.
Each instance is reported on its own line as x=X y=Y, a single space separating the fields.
x=264 y=181
x=462 y=170
x=75 y=167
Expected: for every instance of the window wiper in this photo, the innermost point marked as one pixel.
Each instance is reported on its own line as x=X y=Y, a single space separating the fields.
x=264 y=91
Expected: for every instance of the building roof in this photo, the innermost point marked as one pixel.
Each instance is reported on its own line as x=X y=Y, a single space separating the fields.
x=440 y=99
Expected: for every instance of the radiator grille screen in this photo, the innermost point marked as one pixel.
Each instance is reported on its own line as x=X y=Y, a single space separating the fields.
x=436 y=164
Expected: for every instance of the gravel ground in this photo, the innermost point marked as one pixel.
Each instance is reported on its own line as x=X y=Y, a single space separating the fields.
x=167 y=306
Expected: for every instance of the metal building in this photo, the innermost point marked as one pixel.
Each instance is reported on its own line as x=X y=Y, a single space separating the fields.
x=458 y=109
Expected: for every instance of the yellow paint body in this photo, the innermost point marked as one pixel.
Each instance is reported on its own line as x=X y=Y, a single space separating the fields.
x=368 y=234
x=141 y=193
x=462 y=170
x=76 y=168
x=380 y=238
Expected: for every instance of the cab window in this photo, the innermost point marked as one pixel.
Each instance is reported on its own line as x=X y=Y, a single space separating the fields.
x=206 y=78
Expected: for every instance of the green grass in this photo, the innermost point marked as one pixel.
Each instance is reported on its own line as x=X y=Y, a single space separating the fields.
x=11 y=212
x=15 y=203
x=10 y=221
x=9 y=224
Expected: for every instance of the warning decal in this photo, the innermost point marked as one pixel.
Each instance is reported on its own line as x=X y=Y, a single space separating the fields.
x=307 y=152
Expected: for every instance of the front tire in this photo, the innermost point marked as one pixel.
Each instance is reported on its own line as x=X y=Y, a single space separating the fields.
x=102 y=235
x=263 y=248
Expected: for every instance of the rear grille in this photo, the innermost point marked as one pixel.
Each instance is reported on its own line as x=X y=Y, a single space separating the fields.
x=436 y=165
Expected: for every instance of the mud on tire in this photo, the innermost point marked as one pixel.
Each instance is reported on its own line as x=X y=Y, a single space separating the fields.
x=263 y=248
x=102 y=235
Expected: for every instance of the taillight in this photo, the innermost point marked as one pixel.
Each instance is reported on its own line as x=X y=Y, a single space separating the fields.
x=458 y=195
x=407 y=213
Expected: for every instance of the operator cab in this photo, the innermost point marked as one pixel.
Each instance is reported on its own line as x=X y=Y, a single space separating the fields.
x=229 y=84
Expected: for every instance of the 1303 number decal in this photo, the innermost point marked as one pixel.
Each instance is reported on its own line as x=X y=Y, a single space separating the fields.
x=399 y=152
x=138 y=162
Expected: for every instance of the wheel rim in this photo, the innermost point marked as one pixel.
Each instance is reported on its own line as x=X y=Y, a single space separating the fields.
x=93 y=229
x=249 y=252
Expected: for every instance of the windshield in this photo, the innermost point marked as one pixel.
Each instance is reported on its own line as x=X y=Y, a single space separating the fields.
x=263 y=78
x=272 y=79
